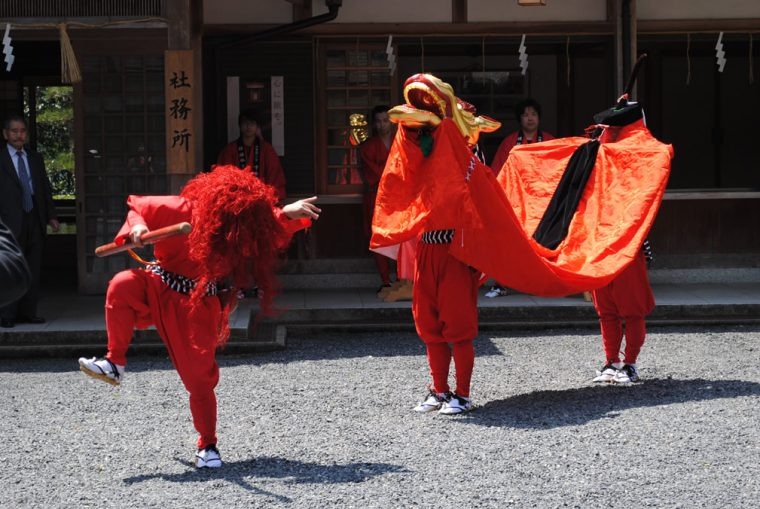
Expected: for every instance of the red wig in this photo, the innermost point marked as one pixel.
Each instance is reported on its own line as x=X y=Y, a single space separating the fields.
x=237 y=237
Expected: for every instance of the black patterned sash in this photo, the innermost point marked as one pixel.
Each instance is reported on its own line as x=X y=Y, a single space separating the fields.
x=438 y=237
x=521 y=137
x=243 y=156
x=180 y=283
x=646 y=247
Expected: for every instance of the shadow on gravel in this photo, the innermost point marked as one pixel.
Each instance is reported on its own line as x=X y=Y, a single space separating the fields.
x=571 y=407
x=244 y=472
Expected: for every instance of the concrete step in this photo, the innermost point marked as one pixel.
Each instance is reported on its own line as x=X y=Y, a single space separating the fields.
x=362 y=273
x=705 y=275
x=329 y=273
x=87 y=343
x=360 y=310
x=76 y=324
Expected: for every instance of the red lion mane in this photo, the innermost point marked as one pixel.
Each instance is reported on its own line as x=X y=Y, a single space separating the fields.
x=237 y=237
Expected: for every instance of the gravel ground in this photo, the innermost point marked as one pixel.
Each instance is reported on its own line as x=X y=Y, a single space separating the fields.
x=328 y=423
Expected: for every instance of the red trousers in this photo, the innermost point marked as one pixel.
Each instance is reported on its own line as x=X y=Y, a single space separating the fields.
x=381 y=262
x=626 y=301
x=383 y=267
x=445 y=309
x=137 y=299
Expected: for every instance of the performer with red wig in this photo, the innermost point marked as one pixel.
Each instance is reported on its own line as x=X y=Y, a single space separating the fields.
x=191 y=288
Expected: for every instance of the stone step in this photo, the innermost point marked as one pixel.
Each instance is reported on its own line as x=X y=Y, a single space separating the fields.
x=76 y=324
x=705 y=275
x=361 y=273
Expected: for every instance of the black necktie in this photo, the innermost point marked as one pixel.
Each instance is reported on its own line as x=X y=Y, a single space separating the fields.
x=26 y=186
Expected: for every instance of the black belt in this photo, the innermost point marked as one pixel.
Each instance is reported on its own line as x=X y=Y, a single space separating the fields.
x=438 y=237
x=180 y=283
x=647 y=248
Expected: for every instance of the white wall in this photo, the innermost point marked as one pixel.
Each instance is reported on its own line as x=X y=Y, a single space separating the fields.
x=352 y=11
x=554 y=10
x=403 y=11
x=697 y=9
x=439 y=11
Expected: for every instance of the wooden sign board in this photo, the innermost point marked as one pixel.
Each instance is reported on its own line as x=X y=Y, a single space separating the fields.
x=181 y=138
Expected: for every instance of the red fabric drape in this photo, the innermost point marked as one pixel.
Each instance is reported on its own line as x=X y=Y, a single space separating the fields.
x=494 y=220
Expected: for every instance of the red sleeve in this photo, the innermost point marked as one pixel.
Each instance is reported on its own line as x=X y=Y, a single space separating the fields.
x=271 y=169
x=154 y=212
x=229 y=155
x=373 y=156
x=503 y=152
x=291 y=225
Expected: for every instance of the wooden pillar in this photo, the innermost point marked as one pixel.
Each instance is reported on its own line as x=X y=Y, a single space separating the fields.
x=301 y=9
x=630 y=42
x=459 y=11
x=184 y=94
x=623 y=14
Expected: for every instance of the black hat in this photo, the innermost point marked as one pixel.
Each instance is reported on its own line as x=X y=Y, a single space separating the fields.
x=623 y=113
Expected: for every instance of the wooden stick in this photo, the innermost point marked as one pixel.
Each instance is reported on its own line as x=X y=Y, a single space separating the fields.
x=150 y=237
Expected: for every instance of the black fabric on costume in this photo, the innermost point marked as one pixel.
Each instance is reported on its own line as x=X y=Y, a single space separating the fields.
x=552 y=229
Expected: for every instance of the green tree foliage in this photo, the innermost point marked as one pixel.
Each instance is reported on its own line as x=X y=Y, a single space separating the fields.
x=55 y=128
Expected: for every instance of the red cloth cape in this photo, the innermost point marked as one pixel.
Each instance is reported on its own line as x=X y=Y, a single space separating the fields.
x=494 y=220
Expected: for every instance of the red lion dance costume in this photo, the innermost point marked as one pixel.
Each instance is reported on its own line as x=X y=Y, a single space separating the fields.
x=189 y=292
x=588 y=225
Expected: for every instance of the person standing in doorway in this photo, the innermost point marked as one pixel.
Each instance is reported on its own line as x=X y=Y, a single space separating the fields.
x=374 y=154
x=251 y=152
x=528 y=113
x=26 y=207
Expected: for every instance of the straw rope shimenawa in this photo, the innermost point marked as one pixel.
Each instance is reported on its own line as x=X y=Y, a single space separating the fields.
x=69 y=67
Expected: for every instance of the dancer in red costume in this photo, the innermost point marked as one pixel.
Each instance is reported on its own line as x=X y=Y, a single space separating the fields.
x=624 y=303
x=190 y=290
x=565 y=215
x=445 y=290
x=622 y=306
x=252 y=153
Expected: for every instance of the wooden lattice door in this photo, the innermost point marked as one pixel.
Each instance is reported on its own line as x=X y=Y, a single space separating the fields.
x=120 y=123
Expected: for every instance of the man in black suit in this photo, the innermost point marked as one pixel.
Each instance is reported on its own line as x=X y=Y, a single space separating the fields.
x=26 y=207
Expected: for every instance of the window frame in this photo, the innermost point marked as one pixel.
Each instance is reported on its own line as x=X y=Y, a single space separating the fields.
x=322 y=147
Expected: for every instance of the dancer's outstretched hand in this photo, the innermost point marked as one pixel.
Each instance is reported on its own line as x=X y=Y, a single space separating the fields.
x=302 y=208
